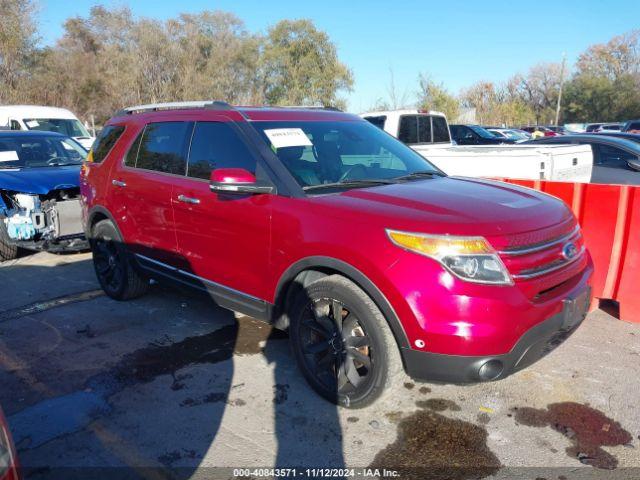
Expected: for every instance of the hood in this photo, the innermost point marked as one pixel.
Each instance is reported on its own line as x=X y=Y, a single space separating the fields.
x=453 y=205
x=40 y=180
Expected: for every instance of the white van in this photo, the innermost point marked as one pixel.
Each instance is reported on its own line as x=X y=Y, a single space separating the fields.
x=50 y=119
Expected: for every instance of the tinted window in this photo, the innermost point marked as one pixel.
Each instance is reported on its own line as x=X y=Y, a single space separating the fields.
x=217 y=145
x=408 y=130
x=440 y=131
x=633 y=126
x=163 y=147
x=424 y=129
x=105 y=142
x=613 y=157
x=15 y=125
x=377 y=121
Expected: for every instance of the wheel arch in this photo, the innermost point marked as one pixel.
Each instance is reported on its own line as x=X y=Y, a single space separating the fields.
x=308 y=269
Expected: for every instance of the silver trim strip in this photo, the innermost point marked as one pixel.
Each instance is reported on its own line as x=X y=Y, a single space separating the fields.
x=196 y=277
x=539 y=248
x=538 y=273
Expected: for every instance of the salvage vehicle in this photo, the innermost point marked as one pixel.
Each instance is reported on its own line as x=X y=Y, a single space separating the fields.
x=8 y=458
x=534 y=162
x=313 y=219
x=39 y=193
x=45 y=119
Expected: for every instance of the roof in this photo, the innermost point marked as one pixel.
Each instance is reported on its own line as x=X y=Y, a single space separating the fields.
x=411 y=111
x=207 y=108
x=30 y=133
x=35 y=111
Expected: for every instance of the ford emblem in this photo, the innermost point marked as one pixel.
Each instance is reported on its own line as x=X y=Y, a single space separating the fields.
x=569 y=250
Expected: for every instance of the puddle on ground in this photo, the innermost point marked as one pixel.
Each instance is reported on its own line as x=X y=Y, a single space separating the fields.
x=431 y=446
x=587 y=428
x=245 y=337
x=438 y=405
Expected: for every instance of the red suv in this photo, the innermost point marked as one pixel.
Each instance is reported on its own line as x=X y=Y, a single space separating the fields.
x=321 y=223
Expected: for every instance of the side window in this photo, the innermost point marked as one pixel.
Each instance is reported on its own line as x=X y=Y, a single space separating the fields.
x=613 y=157
x=217 y=145
x=440 y=130
x=377 y=121
x=408 y=129
x=132 y=154
x=424 y=129
x=105 y=142
x=466 y=132
x=15 y=125
x=163 y=147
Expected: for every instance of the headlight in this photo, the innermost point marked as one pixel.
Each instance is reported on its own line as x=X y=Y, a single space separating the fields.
x=469 y=258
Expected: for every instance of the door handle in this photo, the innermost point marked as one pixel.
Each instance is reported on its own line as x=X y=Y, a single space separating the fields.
x=185 y=199
x=118 y=183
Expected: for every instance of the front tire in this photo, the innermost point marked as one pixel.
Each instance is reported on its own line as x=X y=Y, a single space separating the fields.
x=342 y=343
x=8 y=249
x=112 y=264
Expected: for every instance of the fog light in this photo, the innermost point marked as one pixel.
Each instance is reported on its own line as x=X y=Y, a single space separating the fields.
x=490 y=370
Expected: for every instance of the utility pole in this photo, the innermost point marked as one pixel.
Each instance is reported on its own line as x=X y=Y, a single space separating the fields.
x=564 y=59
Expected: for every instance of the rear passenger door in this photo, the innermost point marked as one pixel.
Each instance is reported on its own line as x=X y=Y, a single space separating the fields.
x=225 y=238
x=142 y=187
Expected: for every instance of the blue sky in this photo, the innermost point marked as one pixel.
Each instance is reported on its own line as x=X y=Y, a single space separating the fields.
x=456 y=42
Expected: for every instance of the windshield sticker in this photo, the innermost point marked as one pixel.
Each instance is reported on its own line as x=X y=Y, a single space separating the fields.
x=9 y=156
x=288 y=137
x=32 y=124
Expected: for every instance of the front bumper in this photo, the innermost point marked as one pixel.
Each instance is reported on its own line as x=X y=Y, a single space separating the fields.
x=534 y=344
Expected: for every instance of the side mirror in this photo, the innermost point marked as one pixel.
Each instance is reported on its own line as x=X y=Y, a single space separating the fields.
x=237 y=180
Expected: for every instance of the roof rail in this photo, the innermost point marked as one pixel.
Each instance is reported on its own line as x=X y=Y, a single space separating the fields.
x=154 y=107
x=309 y=107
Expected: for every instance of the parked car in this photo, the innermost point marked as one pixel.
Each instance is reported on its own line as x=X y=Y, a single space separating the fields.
x=632 y=126
x=537 y=128
x=616 y=160
x=558 y=129
x=490 y=161
x=45 y=119
x=39 y=193
x=609 y=127
x=475 y=135
x=8 y=458
x=318 y=221
x=413 y=127
x=510 y=134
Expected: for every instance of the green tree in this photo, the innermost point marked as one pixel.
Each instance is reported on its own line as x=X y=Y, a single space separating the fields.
x=300 y=66
x=434 y=96
x=18 y=39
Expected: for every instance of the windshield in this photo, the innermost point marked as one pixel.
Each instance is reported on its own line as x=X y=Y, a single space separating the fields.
x=39 y=151
x=318 y=153
x=66 y=126
x=481 y=131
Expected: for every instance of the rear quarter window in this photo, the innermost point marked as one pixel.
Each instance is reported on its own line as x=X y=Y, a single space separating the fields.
x=105 y=142
x=440 y=130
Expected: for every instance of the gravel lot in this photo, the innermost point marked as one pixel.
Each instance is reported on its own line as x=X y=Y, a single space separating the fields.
x=170 y=386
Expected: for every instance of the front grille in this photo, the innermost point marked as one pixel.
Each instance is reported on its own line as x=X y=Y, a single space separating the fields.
x=535 y=260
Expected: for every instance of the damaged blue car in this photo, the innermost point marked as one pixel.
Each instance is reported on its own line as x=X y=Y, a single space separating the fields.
x=40 y=193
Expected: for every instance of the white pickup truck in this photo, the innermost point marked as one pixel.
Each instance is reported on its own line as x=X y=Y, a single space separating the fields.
x=427 y=132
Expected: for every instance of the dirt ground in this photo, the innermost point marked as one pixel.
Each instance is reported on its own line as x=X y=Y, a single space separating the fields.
x=172 y=386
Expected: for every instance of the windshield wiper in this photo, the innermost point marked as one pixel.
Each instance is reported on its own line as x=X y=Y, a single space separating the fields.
x=350 y=183
x=418 y=175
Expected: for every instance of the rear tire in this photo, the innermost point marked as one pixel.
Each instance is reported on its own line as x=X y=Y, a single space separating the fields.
x=111 y=261
x=8 y=249
x=342 y=343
